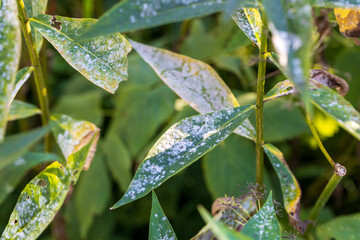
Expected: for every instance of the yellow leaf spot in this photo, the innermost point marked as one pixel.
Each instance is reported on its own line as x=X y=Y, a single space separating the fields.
x=349 y=21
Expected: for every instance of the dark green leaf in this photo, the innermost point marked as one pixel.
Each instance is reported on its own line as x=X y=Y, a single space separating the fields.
x=160 y=227
x=341 y=228
x=21 y=77
x=19 y=110
x=180 y=146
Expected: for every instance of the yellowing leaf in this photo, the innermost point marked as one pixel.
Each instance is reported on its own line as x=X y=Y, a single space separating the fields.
x=349 y=21
x=102 y=60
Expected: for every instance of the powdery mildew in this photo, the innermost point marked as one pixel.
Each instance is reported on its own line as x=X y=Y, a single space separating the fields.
x=102 y=60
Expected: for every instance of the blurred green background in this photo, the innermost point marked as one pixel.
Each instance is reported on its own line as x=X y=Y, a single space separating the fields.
x=144 y=107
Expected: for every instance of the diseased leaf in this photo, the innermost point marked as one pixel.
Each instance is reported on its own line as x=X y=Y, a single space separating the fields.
x=335 y=3
x=194 y=81
x=160 y=227
x=249 y=21
x=72 y=135
x=340 y=228
x=17 y=145
x=291 y=25
x=221 y=231
x=180 y=146
x=102 y=60
x=11 y=174
x=21 y=77
x=264 y=224
x=20 y=109
x=10 y=48
x=281 y=89
x=129 y=15
x=33 y=8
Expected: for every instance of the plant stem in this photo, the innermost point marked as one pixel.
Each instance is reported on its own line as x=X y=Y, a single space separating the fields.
x=260 y=104
x=38 y=73
x=339 y=173
x=318 y=140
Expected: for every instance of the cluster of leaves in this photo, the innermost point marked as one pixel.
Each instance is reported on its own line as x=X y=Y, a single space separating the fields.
x=144 y=109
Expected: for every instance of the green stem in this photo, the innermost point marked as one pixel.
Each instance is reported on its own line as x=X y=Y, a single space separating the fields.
x=38 y=73
x=88 y=8
x=339 y=173
x=260 y=104
x=318 y=140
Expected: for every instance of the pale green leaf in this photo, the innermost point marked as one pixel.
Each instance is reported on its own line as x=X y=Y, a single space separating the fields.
x=291 y=25
x=194 y=81
x=281 y=89
x=21 y=77
x=102 y=60
x=264 y=224
x=336 y=3
x=15 y=146
x=249 y=21
x=160 y=227
x=133 y=15
x=289 y=185
x=341 y=228
x=20 y=109
x=11 y=174
x=10 y=48
x=221 y=231
x=180 y=146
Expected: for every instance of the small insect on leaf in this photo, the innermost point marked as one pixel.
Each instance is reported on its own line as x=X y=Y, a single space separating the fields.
x=349 y=22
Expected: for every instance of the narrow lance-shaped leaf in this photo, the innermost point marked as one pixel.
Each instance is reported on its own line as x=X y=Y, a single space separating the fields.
x=249 y=21
x=336 y=3
x=102 y=60
x=194 y=81
x=20 y=109
x=221 y=231
x=17 y=145
x=12 y=174
x=160 y=227
x=21 y=77
x=10 y=47
x=291 y=25
x=133 y=15
x=281 y=89
x=264 y=224
x=180 y=146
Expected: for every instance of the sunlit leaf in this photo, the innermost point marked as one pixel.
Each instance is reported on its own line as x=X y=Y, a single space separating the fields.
x=160 y=227
x=194 y=81
x=33 y=8
x=289 y=185
x=129 y=15
x=102 y=60
x=10 y=47
x=221 y=231
x=11 y=174
x=291 y=25
x=335 y=3
x=249 y=21
x=349 y=22
x=264 y=224
x=340 y=228
x=21 y=77
x=180 y=146
x=72 y=135
x=20 y=109
x=15 y=146
x=281 y=89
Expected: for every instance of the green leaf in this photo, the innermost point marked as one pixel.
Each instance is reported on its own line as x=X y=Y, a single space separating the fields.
x=194 y=81
x=279 y=90
x=17 y=145
x=341 y=228
x=102 y=60
x=92 y=194
x=335 y=3
x=129 y=15
x=10 y=48
x=337 y=107
x=180 y=146
x=33 y=8
x=221 y=231
x=249 y=21
x=160 y=227
x=229 y=167
x=264 y=224
x=289 y=185
x=38 y=203
x=20 y=109
x=21 y=77
x=11 y=174
x=291 y=25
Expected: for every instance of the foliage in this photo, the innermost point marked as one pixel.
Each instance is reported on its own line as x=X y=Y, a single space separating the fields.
x=169 y=127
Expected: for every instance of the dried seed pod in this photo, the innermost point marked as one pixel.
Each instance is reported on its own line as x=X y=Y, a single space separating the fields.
x=349 y=21
x=318 y=76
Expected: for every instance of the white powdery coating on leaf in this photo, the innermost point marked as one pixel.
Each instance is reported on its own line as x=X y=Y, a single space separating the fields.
x=249 y=21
